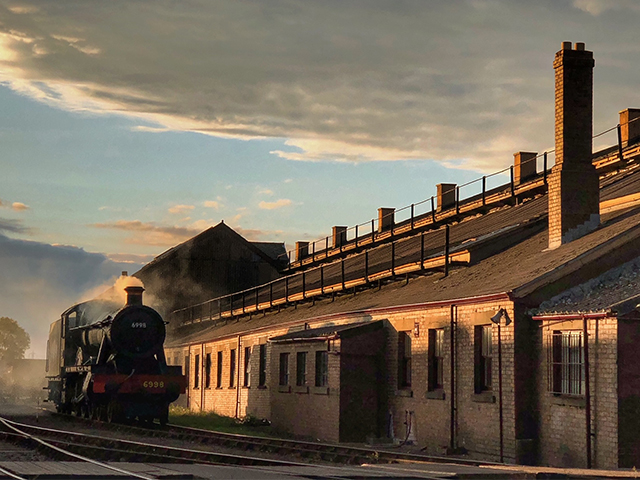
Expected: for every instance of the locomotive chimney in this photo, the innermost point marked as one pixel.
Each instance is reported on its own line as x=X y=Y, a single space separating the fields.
x=134 y=295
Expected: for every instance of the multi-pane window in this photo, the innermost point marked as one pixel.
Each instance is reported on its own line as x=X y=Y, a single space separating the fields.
x=232 y=368
x=436 y=359
x=187 y=365
x=566 y=362
x=196 y=372
x=483 y=357
x=207 y=371
x=247 y=366
x=263 y=366
x=284 y=369
x=301 y=369
x=404 y=360
x=322 y=368
x=219 y=371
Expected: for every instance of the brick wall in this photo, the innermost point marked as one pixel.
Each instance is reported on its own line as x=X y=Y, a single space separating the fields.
x=562 y=418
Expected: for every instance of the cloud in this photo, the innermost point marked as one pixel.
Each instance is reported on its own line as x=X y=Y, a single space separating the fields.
x=39 y=281
x=130 y=258
x=283 y=202
x=147 y=129
x=150 y=233
x=212 y=204
x=370 y=81
x=19 y=206
x=181 y=209
x=265 y=191
x=596 y=7
x=12 y=226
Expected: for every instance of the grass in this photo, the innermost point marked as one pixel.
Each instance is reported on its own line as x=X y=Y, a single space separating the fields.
x=211 y=421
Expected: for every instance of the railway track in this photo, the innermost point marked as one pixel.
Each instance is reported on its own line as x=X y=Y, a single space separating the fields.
x=309 y=451
x=59 y=444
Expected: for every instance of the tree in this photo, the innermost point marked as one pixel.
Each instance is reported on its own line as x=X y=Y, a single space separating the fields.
x=14 y=341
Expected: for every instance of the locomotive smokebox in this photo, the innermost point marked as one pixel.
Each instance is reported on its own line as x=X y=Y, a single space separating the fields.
x=134 y=295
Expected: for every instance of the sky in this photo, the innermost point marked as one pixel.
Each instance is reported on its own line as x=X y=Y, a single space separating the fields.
x=128 y=127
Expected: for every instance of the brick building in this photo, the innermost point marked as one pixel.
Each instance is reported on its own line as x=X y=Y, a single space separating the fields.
x=441 y=330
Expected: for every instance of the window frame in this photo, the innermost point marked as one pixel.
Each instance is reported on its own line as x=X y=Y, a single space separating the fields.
x=566 y=375
x=301 y=369
x=435 y=380
x=219 y=367
x=483 y=361
x=247 y=367
x=404 y=359
x=322 y=368
x=262 y=381
x=196 y=371
x=233 y=355
x=207 y=371
x=283 y=365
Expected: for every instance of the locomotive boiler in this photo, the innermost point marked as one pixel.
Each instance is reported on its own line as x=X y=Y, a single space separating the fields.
x=107 y=361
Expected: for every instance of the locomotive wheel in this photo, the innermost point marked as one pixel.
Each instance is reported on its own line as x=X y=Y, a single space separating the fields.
x=114 y=412
x=164 y=416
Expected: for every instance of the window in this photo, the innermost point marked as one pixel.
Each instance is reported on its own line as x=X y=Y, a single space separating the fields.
x=284 y=369
x=301 y=369
x=322 y=368
x=219 y=371
x=404 y=360
x=247 y=366
x=263 y=365
x=232 y=368
x=483 y=354
x=207 y=371
x=196 y=373
x=187 y=362
x=436 y=359
x=567 y=363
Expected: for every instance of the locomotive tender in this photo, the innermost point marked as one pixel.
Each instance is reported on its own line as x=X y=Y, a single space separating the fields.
x=107 y=361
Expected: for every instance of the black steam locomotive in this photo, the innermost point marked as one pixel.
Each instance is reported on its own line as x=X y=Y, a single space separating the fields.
x=106 y=361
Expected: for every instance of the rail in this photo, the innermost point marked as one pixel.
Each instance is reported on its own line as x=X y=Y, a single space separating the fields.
x=480 y=193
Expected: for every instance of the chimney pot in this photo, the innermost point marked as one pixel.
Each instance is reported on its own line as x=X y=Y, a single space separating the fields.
x=629 y=126
x=134 y=295
x=339 y=235
x=125 y=273
x=580 y=46
x=386 y=219
x=566 y=45
x=524 y=166
x=302 y=250
x=446 y=195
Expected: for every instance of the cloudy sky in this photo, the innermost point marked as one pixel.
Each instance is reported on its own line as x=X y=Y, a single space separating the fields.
x=128 y=127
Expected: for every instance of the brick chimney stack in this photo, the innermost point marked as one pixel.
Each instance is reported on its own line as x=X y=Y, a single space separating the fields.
x=574 y=195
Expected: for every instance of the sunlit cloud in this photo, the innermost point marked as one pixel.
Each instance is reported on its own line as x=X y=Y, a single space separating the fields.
x=150 y=233
x=407 y=80
x=212 y=204
x=283 y=202
x=181 y=209
x=19 y=206
x=130 y=258
x=265 y=191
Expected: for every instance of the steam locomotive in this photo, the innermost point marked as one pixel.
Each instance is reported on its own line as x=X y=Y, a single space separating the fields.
x=106 y=361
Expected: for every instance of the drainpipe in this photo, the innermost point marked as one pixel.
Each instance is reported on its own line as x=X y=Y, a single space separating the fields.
x=587 y=392
x=500 y=393
x=201 y=374
x=452 y=433
x=238 y=379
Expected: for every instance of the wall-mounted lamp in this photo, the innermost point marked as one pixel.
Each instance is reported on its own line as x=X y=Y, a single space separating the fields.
x=500 y=314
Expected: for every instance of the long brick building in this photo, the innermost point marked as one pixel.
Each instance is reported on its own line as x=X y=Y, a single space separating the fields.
x=446 y=329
